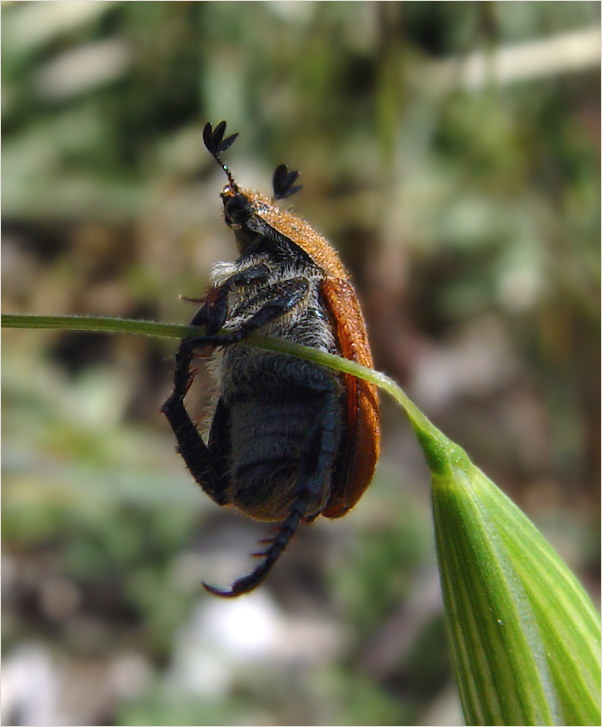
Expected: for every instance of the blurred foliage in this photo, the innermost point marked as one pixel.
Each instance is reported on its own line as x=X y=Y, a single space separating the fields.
x=470 y=219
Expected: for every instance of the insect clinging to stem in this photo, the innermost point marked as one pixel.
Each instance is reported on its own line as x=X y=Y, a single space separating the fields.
x=289 y=440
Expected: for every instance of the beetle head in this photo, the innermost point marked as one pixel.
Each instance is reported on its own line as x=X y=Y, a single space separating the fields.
x=239 y=213
x=243 y=209
x=237 y=207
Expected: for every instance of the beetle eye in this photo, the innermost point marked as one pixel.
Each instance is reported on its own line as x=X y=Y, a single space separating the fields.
x=236 y=209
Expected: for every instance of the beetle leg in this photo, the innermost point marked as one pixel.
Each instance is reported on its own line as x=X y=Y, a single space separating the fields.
x=284 y=297
x=292 y=292
x=316 y=463
x=199 y=459
x=205 y=467
x=213 y=313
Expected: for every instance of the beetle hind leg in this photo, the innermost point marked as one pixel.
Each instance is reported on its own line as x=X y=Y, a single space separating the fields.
x=270 y=556
x=315 y=467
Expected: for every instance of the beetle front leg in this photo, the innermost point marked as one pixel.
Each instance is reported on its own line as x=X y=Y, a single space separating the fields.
x=291 y=294
x=281 y=299
x=213 y=313
x=207 y=470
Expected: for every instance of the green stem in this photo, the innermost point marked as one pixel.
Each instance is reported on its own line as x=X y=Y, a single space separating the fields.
x=94 y=324
x=439 y=451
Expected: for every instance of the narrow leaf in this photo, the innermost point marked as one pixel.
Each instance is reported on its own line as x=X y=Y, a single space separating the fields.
x=525 y=636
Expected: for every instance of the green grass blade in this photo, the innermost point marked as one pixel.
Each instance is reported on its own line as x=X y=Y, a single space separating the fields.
x=525 y=636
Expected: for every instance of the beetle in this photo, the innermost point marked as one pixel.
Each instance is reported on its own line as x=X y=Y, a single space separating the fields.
x=289 y=440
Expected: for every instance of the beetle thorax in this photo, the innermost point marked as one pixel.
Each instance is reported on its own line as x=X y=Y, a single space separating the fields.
x=308 y=324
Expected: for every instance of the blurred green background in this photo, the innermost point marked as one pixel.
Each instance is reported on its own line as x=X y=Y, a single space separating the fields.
x=451 y=152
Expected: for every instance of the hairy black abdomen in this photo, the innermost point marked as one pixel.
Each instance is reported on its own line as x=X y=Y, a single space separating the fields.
x=270 y=432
